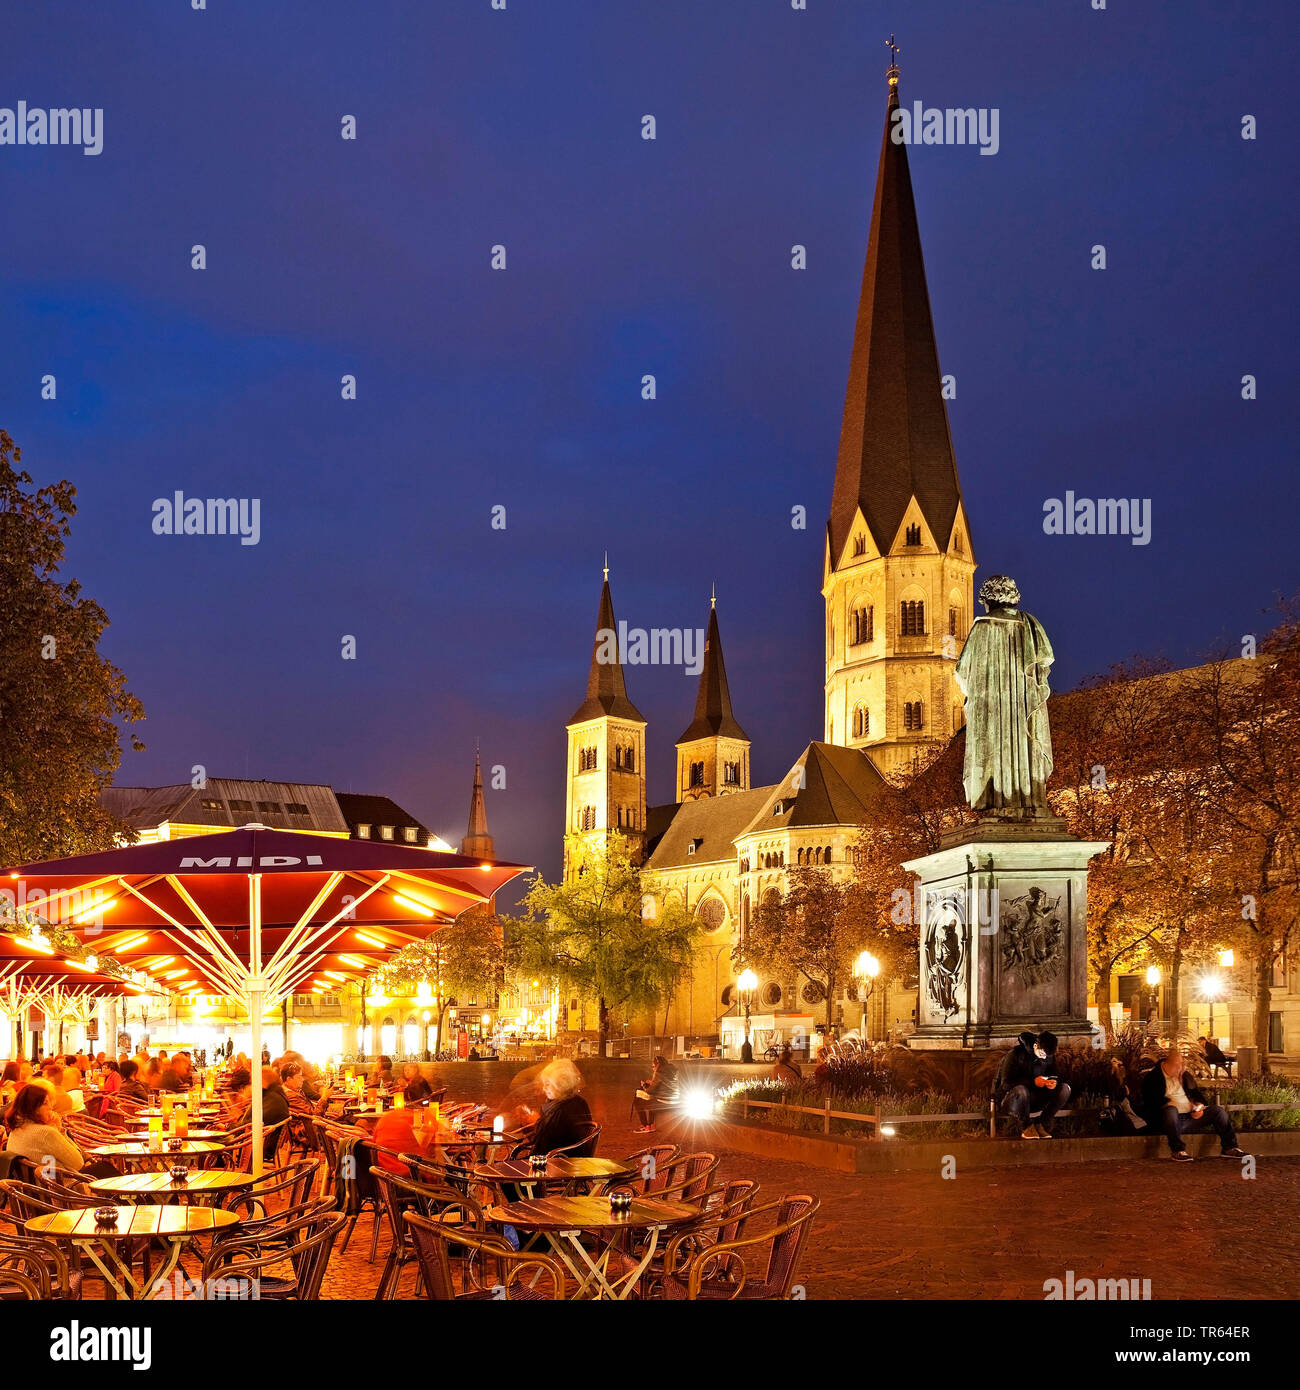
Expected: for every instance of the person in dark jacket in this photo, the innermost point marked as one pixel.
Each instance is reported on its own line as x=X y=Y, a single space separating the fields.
x=1215 y=1055
x=658 y=1093
x=1172 y=1099
x=132 y=1087
x=1027 y=1084
x=565 y=1118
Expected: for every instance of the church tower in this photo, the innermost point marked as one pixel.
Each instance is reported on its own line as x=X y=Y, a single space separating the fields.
x=713 y=753
x=478 y=842
x=606 y=778
x=897 y=576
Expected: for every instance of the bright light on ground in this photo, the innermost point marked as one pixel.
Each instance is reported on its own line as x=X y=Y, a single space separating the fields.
x=698 y=1105
x=888 y=1131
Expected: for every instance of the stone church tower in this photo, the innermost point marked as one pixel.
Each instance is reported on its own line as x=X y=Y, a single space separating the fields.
x=606 y=774
x=897 y=576
x=713 y=753
x=477 y=842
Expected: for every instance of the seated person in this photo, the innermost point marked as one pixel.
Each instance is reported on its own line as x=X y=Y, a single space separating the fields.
x=414 y=1087
x=381 y=1073
x=1027 y=1084
x=178 y=1075
x=565 y=1118
x=239 y=1090
x=1215 y=1055
x=1173 y=1100
x=132 y=1087
x=53 y=1074
x=786 y=1069
x=658 y=1093
x=293 y=1080
x=36 y=1134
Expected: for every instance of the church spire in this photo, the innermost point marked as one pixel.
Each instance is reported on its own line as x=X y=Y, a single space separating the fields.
x=478 y=842
x=606 y=689
x=713 y=714
x=894 y=439
x=713 y=753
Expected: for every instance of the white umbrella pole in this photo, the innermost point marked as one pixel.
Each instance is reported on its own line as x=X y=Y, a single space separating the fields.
x=255 y=997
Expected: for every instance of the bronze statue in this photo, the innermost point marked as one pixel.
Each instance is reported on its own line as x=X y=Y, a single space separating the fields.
x=1002 y=671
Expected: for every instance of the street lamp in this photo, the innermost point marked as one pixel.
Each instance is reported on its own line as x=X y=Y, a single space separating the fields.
x=865 y=970
x=1153 y=984
x=1227 y=959
x=747 y=983
x=1211 y=989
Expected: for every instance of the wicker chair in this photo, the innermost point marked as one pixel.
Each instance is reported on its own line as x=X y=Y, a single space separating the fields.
x=718 y=1272
x=251 y=1266
x=437 y=1201
x=648 y=1163
x=503 y=1273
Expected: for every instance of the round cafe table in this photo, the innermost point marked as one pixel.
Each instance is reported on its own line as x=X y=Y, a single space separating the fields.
x=563 y=1220
x=193 y=1134
x=561 y=1173
x=109 y=1248
x=162 y=1187
x=138 y=1151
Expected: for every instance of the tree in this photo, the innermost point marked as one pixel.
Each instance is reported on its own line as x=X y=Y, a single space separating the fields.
x=812 y=930
x=60 y=700
x=1239 y=731
x=458 y=961
x=589 y=935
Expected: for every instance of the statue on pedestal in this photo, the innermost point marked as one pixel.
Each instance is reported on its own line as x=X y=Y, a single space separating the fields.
x=1002 y=671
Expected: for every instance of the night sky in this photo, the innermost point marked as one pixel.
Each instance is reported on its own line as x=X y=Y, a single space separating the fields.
x=522 y=388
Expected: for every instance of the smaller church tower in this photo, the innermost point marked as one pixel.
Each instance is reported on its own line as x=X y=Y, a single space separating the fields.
x=606 y=777
x=713 y=753
x=478 y=842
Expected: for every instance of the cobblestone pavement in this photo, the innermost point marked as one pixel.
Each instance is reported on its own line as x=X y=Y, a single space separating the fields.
x=1196 y=1230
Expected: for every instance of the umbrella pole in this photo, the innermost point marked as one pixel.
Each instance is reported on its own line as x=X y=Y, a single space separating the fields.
x=255 y=997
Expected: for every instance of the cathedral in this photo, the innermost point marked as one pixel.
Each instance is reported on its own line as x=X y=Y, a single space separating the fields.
x=897 y=584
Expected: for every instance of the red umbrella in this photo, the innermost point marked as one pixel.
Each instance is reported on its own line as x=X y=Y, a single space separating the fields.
x=252 y=908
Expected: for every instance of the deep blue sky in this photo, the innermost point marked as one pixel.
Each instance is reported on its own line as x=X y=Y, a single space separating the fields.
x=625 y=257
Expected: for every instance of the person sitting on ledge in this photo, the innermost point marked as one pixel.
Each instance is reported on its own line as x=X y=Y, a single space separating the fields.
x=1215 y=1056
x=1027 y=1084
x=1171 y=1097
x=786 y=1070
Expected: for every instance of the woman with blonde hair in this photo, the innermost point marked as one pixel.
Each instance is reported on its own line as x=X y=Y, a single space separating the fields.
x=566 y=1117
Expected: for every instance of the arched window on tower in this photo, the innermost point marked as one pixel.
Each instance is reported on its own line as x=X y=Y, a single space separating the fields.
x=913 y=618
x=859 y=545
x=861 y=625
x=861 y=722
x=914 y=535
x=912 y=715
x=697 y=775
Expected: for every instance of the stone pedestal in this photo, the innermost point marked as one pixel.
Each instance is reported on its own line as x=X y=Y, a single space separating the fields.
x=1003 y=909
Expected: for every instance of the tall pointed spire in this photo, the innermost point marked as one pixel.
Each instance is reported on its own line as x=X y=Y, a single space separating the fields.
x=713 y=714
x=894 y=440
x=478 y=842
x=606 y=689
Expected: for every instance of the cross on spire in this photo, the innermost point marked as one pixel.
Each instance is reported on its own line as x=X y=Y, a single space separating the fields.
x=607 y=566
x=892 y=74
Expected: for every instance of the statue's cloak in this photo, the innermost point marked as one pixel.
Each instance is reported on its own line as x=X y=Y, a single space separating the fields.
x=1003 y=671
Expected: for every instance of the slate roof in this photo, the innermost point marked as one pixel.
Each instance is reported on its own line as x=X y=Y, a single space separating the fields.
x=894 y=439
x=713 y=822
x=713 y=714
x=606 y=690
x=264 y=802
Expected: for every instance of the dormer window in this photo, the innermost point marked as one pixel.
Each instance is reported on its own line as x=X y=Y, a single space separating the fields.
x=859 y=546
x=914 y=534
x=778 y=808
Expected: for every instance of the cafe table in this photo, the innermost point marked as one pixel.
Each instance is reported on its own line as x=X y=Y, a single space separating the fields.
x=192 y=1134
x=138 y=1151
x=109 y=1247
x=563 y=1221
x=561 y=1173
x=162 y=1187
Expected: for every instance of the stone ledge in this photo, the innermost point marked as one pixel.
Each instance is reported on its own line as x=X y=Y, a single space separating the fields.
x=846 y=1155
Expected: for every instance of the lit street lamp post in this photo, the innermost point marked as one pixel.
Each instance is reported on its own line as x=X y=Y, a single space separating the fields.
x=747 y=983
x=865 y=970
